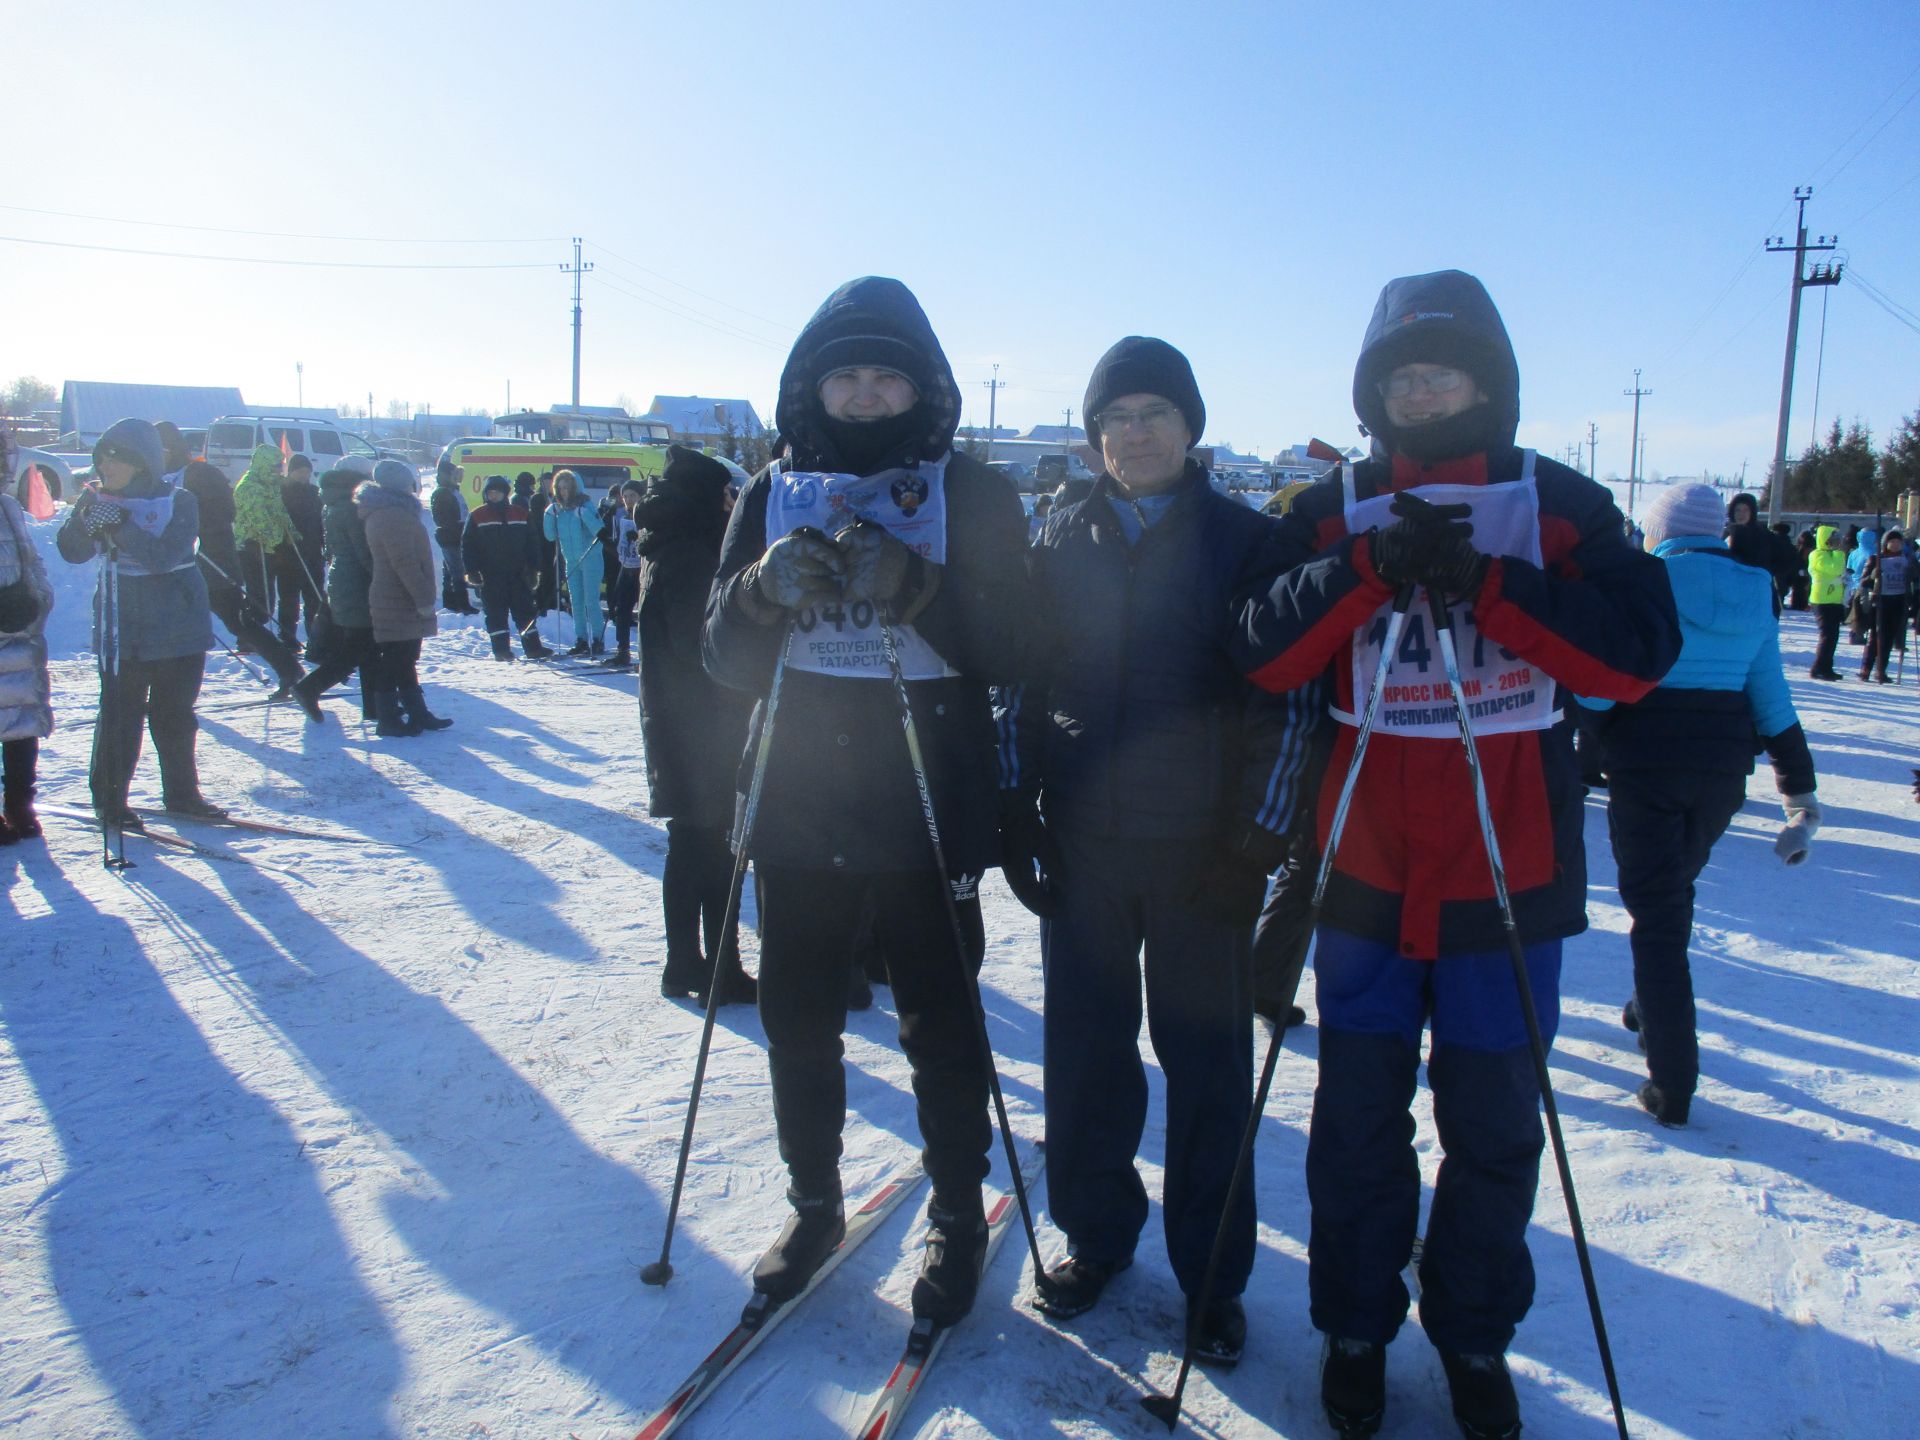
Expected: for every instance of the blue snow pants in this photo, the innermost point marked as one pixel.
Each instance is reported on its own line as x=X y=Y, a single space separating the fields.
x=1124 y=899
x=1363 y=1180
x=583 y=593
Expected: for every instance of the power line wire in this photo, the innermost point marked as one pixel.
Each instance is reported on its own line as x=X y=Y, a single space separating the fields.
x=780 y=325
x=1865 y=120
x=262 y=260
x=1885 y=301
x=1746 y=326
x=283 y=234
x=1831 y=179
x=682 y=314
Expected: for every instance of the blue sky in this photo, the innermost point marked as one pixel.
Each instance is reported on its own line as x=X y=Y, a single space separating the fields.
x=1240 y=179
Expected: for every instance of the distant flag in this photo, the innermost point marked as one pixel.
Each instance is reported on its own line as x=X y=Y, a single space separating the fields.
x=39 y=502
x=1318 y=449
x=286 y=450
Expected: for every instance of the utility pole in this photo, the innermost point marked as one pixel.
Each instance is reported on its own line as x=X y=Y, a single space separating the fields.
x=1066 y=441
x=1821 y=275
x=300 y=384
x=1633 y=455
x=993 y=407
x=576 y=270
x=1593 y=449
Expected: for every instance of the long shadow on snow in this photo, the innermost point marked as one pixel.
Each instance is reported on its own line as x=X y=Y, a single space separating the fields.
x=508 y=1204
x=190 y=1243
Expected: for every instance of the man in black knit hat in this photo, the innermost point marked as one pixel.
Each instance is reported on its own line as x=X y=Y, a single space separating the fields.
x=1144 y=786
x=873 y=520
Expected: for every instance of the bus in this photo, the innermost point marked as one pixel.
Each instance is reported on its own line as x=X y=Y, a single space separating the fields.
x=554 y=426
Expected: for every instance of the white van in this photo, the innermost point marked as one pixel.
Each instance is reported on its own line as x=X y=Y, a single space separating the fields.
x=231 y=440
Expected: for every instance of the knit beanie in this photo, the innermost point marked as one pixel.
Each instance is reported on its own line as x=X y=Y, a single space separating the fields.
x=397 y=476
x=1683 y=510
x=1141 y=365
x=356 y=465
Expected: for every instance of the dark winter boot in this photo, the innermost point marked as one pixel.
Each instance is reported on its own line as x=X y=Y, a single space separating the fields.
x=1219 y=1334
x=956 y=1254
x=393 y=717
x=1268 y=1009
x=19 y=813
x=1668 y=1108
x=307 y=696
x=1483 y=1398
x=502 y=647
x=619 y=660
x=859 y=990
x=596 y=647
x=195 y=807
x=684 y=979
x=737 y=987
x=579 y=648
x=535 y=647
x=1353 y=1386
x=1073 y=1286
x=817 y=1226
x=414 y=701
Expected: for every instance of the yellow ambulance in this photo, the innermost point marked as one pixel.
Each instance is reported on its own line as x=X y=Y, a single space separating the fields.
x=600 y=467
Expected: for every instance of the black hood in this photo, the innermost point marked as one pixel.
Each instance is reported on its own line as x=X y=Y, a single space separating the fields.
x=1446 y=318
x=875 y=316
x=1750 y=501
x=689 y=495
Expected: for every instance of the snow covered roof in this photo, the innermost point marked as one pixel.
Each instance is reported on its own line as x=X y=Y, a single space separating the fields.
x=701 y=415
x=611 y=412
x=88 y=407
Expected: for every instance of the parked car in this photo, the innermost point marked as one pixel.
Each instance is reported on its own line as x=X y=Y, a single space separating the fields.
x=231 y=440
x=1018 y=475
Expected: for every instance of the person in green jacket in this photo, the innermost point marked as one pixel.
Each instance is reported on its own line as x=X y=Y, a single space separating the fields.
x=575 y=527
x=349 y=573
x=261 y=525
x=1827 y=566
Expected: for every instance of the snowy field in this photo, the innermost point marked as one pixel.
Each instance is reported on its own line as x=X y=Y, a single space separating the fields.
x=368 y=1140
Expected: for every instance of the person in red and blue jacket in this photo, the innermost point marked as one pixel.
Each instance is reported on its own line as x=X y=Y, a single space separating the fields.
x=1546 y=597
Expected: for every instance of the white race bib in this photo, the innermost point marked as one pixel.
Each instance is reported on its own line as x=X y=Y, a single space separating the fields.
x=1504 y=692
x=843 y=637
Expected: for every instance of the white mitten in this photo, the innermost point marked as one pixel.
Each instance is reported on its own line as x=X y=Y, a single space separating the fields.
x=1803 y=823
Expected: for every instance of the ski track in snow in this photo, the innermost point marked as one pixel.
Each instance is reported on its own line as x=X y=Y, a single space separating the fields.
x=374 y=1150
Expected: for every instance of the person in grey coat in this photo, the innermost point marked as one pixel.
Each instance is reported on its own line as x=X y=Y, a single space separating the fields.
x=26 y=697
x=402 y=596
x=151 y=624
x=349 y=573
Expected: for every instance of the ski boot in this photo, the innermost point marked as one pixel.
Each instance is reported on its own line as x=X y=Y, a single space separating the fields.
x=814 y=1230
x=535 y=647
x=1668 y=1108
x=194 y=806
x=1073 y=1286
x=579 y=649
x=1353 y=1387
x=1220 y=1334
x=956 y=1254
x=19 y=813
x=1484 y=1404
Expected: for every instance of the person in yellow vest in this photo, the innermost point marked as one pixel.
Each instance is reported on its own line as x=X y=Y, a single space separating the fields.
x=1828 y=567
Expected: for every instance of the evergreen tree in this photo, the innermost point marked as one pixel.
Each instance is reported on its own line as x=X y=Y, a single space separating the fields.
x=1900 y=461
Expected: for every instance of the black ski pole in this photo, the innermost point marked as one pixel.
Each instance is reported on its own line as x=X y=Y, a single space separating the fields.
x=970 y=981
x=1443 y=629
x=1167 y=1407
x=659 y=1272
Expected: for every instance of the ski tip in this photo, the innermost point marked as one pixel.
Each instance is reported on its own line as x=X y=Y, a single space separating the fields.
x=656 y=1272
x=1163 y=1408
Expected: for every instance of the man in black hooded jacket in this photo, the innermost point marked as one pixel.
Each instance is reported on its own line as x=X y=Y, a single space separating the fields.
x=875 y=520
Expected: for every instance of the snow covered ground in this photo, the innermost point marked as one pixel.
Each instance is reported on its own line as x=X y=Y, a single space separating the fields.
x=371 y=1143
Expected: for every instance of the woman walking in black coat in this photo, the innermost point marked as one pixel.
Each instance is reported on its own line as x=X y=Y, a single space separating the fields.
x=694 y=728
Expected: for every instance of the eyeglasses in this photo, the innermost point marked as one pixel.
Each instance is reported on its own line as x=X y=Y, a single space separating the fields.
x=1151 y=417
x=1398 y=385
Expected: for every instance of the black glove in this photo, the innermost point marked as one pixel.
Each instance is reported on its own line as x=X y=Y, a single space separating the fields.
x=876 y=562
x=19 y=607
x=1454 y=568
x=1403 y=551
x=1231 y=886
x=1029 y=855
x=798 y=569
x=103 y=515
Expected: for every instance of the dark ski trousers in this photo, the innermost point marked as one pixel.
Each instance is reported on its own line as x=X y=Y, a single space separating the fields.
x=621 y=602
x=1123 y=909
x=249 y=627
x=19 y=760
x=504 y=596
x=1663 y=825
x=158 y=695
x=1829 y=618
x=352 y=650
x=693 y=895
x=808 y=924
x=453 y=581
x=396 y=666
x=1889 y=634
x=291 y=588
x=1363 y=1179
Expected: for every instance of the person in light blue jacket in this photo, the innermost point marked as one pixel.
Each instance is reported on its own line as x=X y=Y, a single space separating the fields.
x=1677 y=763
x=572 y=524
